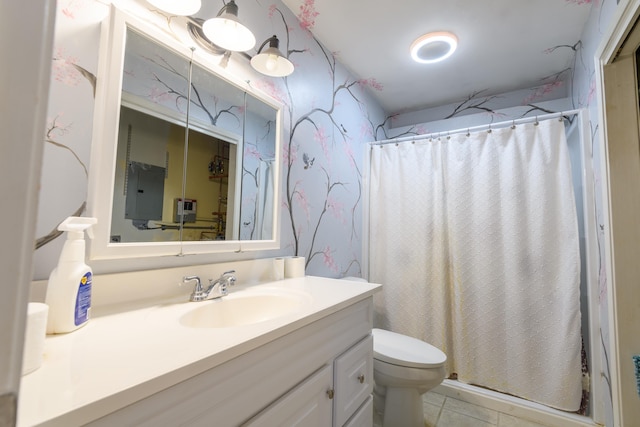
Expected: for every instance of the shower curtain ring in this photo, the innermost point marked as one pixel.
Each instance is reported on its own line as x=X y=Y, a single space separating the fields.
x=513 y=124
x=468 y=133
x=536 y=122
x=489 y=130
x=448 y=135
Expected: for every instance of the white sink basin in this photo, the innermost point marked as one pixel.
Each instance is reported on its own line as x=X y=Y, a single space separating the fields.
x=242 y=309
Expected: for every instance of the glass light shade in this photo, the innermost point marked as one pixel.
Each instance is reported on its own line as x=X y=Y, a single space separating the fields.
x=227 y=32
x=177 y=7
x=272 y=63
x=433 y=47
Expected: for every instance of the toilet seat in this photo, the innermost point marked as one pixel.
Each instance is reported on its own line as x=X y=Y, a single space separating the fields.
x=402 y=350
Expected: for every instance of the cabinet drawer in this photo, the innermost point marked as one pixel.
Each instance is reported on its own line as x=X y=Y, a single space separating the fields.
x=353 y=380
x=364 y=416
x=306 y=405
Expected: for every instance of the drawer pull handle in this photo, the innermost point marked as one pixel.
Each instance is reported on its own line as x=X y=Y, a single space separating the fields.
x=330 y=393
x=361 y=378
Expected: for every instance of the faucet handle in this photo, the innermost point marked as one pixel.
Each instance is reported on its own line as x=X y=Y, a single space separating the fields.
x=228 y=277
x=187 y=279
x=197 y=293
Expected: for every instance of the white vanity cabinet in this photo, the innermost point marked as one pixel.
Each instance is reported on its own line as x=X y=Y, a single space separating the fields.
x=353 y=383
x=320 y=375
x=331 y=396
x=364 y=416
x=308 y=404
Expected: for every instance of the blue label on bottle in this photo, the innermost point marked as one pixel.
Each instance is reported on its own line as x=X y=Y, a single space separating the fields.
x=83 y=301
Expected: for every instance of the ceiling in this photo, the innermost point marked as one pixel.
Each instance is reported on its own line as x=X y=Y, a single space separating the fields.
x=503 y=45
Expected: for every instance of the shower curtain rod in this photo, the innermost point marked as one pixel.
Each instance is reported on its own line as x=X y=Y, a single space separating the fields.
x=479 y=127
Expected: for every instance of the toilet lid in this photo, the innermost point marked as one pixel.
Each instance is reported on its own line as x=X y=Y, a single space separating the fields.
x=402 y=350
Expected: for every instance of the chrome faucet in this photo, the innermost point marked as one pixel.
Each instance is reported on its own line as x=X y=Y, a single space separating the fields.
x=217 y=288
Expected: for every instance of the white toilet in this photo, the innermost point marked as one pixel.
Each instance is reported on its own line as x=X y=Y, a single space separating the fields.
x=404 y=368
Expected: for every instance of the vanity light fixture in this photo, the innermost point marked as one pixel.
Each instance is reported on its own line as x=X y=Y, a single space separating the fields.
x=226 y=30
x=433 y=47
x=177 y=7
x=271 y=61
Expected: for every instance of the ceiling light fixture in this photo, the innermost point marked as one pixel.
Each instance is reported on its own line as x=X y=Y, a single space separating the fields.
x=271 y=61
x=177 y=7
x=433 y=47
x=226 y=30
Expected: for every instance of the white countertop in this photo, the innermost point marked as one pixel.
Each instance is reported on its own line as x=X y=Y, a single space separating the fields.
x=120 y=357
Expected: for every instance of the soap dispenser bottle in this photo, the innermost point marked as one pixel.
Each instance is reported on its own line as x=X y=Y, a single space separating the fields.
x=69 y=288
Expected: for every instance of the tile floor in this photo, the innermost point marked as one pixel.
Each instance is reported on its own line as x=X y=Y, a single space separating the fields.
x=443 y=411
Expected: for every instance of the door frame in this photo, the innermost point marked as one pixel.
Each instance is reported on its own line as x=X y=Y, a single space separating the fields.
x=619 y=140
x=26 y=44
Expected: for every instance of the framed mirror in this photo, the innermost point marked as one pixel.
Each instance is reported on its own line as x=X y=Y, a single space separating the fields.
x=184 y=158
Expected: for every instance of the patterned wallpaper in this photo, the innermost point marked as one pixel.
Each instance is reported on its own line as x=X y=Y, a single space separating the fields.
x=329 y=117
x=584 y=96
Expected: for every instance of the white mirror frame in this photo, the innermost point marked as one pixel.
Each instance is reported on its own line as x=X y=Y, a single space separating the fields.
x=104 y=146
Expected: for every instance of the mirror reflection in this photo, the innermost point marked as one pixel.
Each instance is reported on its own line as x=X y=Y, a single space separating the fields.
x=258 y=174
x=195 y=154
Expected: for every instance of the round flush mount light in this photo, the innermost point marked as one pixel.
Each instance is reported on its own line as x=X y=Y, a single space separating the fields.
x=433 y=47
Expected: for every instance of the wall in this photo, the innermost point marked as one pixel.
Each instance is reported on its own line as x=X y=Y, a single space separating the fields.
x=584 y=96
x=329 y=116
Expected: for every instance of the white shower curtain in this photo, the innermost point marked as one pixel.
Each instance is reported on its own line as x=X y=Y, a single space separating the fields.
x=475 y=240
x=264 y=201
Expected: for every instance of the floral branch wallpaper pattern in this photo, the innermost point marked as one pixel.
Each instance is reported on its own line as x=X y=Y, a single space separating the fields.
x=328 y=114
x=322 y=182
x=329 y=117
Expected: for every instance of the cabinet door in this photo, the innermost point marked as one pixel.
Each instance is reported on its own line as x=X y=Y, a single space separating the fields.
x=353 y=379
x=364 y=416
x=306 y=405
